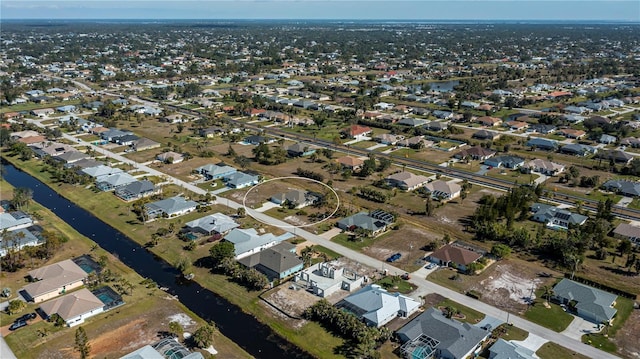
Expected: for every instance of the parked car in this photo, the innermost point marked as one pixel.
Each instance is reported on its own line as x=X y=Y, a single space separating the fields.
x=430 y=266
x=18 y=324
x=394 y=258
x=26 y=317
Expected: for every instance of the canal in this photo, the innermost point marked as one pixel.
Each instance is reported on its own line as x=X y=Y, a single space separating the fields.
x=245 y=330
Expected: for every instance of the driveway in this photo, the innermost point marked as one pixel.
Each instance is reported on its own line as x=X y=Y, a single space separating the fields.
x=491 y=321
x=331 y=233
x=625 y=201
x=483 y=170
x=267 y=206
x=533 y=342
x=580 y=327
x=376 y=146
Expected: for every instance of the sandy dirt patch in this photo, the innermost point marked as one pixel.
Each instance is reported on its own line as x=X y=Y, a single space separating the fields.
x=627 y=338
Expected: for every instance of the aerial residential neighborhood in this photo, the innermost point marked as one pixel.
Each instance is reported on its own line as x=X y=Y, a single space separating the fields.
x=319 y=189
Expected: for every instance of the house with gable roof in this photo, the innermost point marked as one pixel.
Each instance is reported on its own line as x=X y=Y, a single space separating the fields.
x=377 y=307
x=136 y=190
x=443 y=191
x=212 y=172
x=374 y=222
x=503 y=349
x=406 y=181
x=592 y=304
x=555 y=217
x=627 y=231
x=247 y=241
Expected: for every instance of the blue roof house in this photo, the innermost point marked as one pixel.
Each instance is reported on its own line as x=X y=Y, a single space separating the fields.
x=216 y=171
x=592 y=304
x=241 y=180
x=377 y=307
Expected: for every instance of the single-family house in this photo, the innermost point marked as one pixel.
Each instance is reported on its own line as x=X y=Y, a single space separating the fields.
x=126 y=140
x=216 y=223
x=240 y=180
x=256 y=140
x=443 y=191
x=630 y=141
x=374 y=222
x=542 y=144
x=415 y=142
x=277 y=262
x=212 y=131
x=489 y=121
x=43 y=112
x=412 y=122
x=247 y=241
x=71 y=157
x=143 y=143
x=11 y=221
x=136 y=190
x=170 y=157
x=541 y=128
x=352 y=163
x=100 y=171
x=52 y=280
x=443 y=115
x=74 y=307
x=170 y=207
x=433 y=335
x=623 y=187
x=455 y=256
x=18 y=239
x=556 y=218
x=387 y=138
x=616 y=156
x=356 y=131
x=517 y=125
x=326 y=278
x=544 y=167
x=571 y=133
x=212 y=172
x=66 y=109
x=475 y=153
x=113 y=133
x=406 y=180
x=52 y=149
x=33 y=140
x=114 y=181
x=507 y=161
x=577 y=149
x=486 y=135
x=301 y=150
x=607 y=139
x=377 y=307
x=168 y=347
x=503 y=349
x=592 y=304
x=295 y=197
x=436 y=126
x=627 y=231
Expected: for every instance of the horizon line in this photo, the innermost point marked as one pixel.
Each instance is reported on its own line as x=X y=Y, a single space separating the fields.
x=316 y=20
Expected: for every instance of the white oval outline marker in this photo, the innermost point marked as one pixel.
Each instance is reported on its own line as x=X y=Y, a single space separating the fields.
x=248 y=210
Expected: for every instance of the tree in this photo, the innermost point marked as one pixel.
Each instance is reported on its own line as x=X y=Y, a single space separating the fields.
x=16 y=306
x=203 y=336
x=222 y=250
x=501 y=250
x=429 y=206
x=624 y=247
x=82 y=343
x=21 y=197
x=241 y=212
x=176 y=329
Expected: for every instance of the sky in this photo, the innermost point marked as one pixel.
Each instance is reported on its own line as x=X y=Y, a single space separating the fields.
x=536 y=10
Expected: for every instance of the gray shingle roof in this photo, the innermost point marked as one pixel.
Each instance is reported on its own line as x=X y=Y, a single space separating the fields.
x=594 y=301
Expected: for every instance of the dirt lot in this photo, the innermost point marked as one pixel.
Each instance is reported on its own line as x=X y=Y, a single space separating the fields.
x=408 y=241
x=507 y=284
x=627 y=338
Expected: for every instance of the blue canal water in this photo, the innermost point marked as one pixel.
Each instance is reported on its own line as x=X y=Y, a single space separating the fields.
x=243 y=329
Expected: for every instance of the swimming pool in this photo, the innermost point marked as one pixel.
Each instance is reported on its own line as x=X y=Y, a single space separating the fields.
x=109 y=297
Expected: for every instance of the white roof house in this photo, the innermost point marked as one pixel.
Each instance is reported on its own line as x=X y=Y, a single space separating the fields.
x=377 y=307
x=248 y=241
x=213 y=223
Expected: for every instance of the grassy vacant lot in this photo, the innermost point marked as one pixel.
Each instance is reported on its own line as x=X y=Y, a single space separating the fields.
x=554 y=351
x=396 y=284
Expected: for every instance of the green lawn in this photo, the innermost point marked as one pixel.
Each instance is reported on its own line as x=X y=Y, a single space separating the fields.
x=357 y=244
x=553 y=318
x=514 y=333
x=470 y=315
x=396 y=284
x=554 y=351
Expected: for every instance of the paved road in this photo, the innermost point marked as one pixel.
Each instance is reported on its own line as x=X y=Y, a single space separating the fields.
x=424 y=286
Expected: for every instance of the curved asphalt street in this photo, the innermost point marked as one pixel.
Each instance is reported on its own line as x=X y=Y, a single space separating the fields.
x=424 y=286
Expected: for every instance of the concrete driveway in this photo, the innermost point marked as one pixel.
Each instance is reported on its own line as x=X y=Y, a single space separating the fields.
x=491 y=321
x=580 y=327
x=533 y=342
x=331 y=233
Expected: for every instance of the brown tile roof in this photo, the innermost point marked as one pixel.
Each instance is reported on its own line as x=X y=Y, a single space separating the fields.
x=73 y=304
x=53 y=277
x=455 y=254
x=350 y=161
